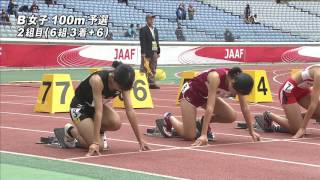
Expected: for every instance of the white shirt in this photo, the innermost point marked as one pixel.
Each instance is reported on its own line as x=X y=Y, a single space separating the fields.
x=152 y=32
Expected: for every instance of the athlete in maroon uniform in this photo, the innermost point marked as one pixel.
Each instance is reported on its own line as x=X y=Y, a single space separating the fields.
x=301 y=89
x=206 y=91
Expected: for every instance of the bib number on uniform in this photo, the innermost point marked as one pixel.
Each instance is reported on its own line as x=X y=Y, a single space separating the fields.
x=75 y=113
x=288 y=87
x=185 y=87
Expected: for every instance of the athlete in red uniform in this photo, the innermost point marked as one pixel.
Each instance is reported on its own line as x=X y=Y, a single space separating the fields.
x=206 y=91
x=301 y=89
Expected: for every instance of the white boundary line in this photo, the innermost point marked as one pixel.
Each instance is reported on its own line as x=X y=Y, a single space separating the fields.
x=260 y=158
x=125 y=153
x=201 y=150
x=91 y=164
x=22 y=91
x=13 y=95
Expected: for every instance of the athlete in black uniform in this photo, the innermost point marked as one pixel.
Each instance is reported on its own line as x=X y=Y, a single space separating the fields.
x=92 y=116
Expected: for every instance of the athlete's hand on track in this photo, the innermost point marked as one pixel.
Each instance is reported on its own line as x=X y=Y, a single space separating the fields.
x=144 y=146
x=300 y=134
x=93 y=149
x=255 y=136
x=201 y=141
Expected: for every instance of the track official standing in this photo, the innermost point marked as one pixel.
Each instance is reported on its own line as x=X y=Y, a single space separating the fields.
x=150 y=50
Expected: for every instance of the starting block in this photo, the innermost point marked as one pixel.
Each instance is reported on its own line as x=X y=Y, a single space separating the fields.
x=56 y=141
x=241 y=125
x=55 y=93
x=160 y=131
x=140 y=94
x=185 y=76
x=261 y=91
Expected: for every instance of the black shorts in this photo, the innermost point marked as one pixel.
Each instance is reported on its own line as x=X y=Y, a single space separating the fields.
x=80 y=111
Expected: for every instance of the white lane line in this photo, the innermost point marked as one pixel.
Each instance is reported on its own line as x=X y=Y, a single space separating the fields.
x=260 y=158
x=208 y=151
x=17 y=103
x=125 y=153
x=18 y=92
x=13 y=95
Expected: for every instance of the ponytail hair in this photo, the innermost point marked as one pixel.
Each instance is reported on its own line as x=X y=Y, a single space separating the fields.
x=243 y=83
x=115 y=64
x=234 y=72
x=124 y=75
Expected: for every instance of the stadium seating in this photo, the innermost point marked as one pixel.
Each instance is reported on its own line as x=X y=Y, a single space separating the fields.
x=278 y=16
x=295 y=21
x=312 y=7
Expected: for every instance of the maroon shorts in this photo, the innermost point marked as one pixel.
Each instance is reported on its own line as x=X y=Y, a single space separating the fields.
x=190 y=95
x=290 y=93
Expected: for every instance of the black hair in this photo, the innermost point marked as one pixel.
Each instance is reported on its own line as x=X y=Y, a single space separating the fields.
x=243 y=83
x=124 y=75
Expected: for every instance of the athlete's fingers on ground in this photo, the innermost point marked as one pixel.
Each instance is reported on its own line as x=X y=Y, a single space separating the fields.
x=146 y=147
x=92 y=152
x=299 y=134
x=89 y=154
x=196 y=143
x=259 y=138
x=254 y=138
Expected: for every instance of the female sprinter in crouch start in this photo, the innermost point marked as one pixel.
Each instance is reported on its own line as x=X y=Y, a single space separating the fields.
x=301 y=89
x=206 y=90
x=92 y=116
